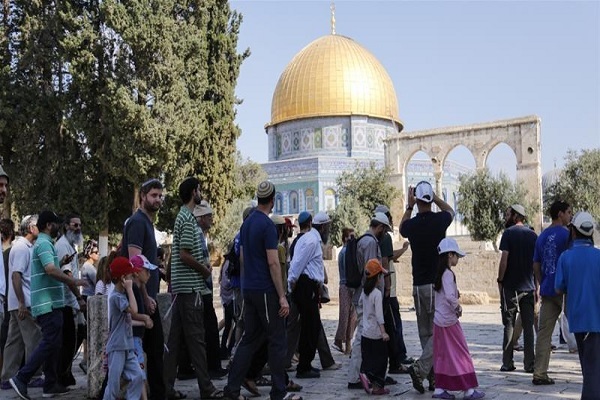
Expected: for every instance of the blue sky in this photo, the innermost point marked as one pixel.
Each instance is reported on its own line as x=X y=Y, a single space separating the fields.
x=452 y=63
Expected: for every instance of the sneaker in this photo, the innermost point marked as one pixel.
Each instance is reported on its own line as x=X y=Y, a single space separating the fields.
x=475 y=395
x=56 y=390
x=19 y=387
x=507 y=369
x=5 y=385
x=444 y=395
x=36 y=383
x=390 y=381
x=417 y=382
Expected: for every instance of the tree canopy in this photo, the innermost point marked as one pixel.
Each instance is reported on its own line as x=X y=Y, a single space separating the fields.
x=483 y=200
x=97 y=97
x=579 y=182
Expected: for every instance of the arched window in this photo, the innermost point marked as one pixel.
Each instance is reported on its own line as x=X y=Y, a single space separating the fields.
x=310 y=197
x=278 y=203
x=293 y=205
x=329 y=199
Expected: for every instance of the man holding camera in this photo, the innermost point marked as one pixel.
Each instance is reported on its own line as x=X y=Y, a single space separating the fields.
x=424 y=232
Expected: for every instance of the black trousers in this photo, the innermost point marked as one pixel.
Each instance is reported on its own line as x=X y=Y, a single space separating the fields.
x=374 y=360
x=307 y=301
x=523 y=302
x=211 y=334
x=588 y=345
x=154 y=343
x=393 y=327
x=68 y=348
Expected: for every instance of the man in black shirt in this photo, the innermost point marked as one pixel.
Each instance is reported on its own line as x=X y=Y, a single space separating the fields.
x=424 y=232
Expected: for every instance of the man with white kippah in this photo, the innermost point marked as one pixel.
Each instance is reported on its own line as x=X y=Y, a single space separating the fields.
x=424 y=232
x=578 y=276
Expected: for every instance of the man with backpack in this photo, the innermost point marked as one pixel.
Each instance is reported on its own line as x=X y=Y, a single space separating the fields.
x=424 y=232
x=358 y=252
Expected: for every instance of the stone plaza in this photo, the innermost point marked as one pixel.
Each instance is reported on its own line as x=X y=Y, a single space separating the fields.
x=483 y=330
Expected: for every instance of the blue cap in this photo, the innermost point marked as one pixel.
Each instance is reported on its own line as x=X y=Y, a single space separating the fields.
x=303 y=217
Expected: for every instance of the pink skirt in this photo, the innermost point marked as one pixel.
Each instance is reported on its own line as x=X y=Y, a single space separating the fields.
x=452 y=362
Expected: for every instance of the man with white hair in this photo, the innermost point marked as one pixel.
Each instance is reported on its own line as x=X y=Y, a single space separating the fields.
x=578 y=276
x=23 y=333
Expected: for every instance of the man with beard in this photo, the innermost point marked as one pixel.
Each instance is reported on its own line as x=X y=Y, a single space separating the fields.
x=139 y=239
x=73 y=334
x=47 y=302
x=367 y=248
x=516 y=285
x=305 y=278
x=424 y=232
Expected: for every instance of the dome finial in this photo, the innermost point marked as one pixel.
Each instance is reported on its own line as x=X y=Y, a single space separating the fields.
x=332 y=8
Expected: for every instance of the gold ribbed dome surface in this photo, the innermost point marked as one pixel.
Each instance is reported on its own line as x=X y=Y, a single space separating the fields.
x=333 y=76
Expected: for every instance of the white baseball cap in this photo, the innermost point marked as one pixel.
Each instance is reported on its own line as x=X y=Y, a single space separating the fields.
x=321 y=218
x=424 y=192
x=519 y=209
x=584 y=223
x=448 y=245
x=382 y=219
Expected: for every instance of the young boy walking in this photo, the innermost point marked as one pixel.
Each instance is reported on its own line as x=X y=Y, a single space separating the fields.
x=122 y=360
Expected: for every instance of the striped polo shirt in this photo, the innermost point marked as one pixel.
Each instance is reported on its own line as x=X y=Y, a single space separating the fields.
x=184 y=279
x=46 y=292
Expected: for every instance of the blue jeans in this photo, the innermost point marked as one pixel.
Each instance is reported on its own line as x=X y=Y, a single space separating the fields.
x=47 y=353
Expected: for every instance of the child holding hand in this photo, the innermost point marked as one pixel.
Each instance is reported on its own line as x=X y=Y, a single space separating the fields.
x=373 y=347
x=122 y=360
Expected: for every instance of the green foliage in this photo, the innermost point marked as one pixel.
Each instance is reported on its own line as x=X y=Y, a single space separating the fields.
x=579 y=182
x=247 y=175
x=348 y=214
x=368 y=185
x=105 y=94
x=224 y=231
x=483 y=200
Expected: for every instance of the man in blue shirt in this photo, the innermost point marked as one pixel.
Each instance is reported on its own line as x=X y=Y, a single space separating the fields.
x=578 y=276
x=548 y=247
x=265 y=303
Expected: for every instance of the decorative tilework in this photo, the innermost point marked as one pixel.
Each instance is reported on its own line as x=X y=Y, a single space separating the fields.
x=344 y=138
x=296 y=141
x=318 y=137
x=360 y=139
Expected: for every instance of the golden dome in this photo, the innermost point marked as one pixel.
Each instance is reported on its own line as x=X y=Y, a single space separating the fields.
x=331 y=76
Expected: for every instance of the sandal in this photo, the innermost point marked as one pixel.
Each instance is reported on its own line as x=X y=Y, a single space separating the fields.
x=217 y=394
x=338 y=347
x=475 y=395
x=444 y=395
x=176 y=395
x=262 y=381
x=250 y=386
x=293 y=387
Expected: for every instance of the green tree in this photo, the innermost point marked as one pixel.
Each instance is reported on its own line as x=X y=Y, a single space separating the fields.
x=348 y=214
x=247 y=175
x=579 y=182
x=483 y=200
x=368 y=185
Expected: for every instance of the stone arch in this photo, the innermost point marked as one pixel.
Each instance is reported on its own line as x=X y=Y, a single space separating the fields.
x=522 y=135
x=278 y=203
x=294 y=202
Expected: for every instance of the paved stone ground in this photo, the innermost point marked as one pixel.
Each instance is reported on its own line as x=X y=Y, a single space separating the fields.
x=483 y=330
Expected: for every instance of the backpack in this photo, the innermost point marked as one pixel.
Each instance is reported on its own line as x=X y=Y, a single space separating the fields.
x=233 y=260
x=354 y=272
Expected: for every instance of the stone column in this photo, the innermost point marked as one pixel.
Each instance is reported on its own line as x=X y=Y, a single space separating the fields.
x=98 y=335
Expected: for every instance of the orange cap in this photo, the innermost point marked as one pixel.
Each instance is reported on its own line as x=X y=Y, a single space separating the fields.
x=374 y=267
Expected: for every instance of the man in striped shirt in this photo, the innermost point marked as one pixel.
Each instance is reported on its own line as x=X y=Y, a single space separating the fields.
x=47 y=302
x=189 y=271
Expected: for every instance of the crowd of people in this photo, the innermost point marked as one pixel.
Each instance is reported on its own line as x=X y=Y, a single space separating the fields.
x=272 y=290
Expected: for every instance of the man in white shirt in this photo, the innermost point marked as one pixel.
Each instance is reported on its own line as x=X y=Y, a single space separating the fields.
x=3 y=193
x=23 y=333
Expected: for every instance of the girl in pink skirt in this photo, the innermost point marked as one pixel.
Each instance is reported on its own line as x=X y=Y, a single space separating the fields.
x=452 y=362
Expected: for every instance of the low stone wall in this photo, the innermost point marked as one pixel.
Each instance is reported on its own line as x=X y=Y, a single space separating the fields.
x=475 y=276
